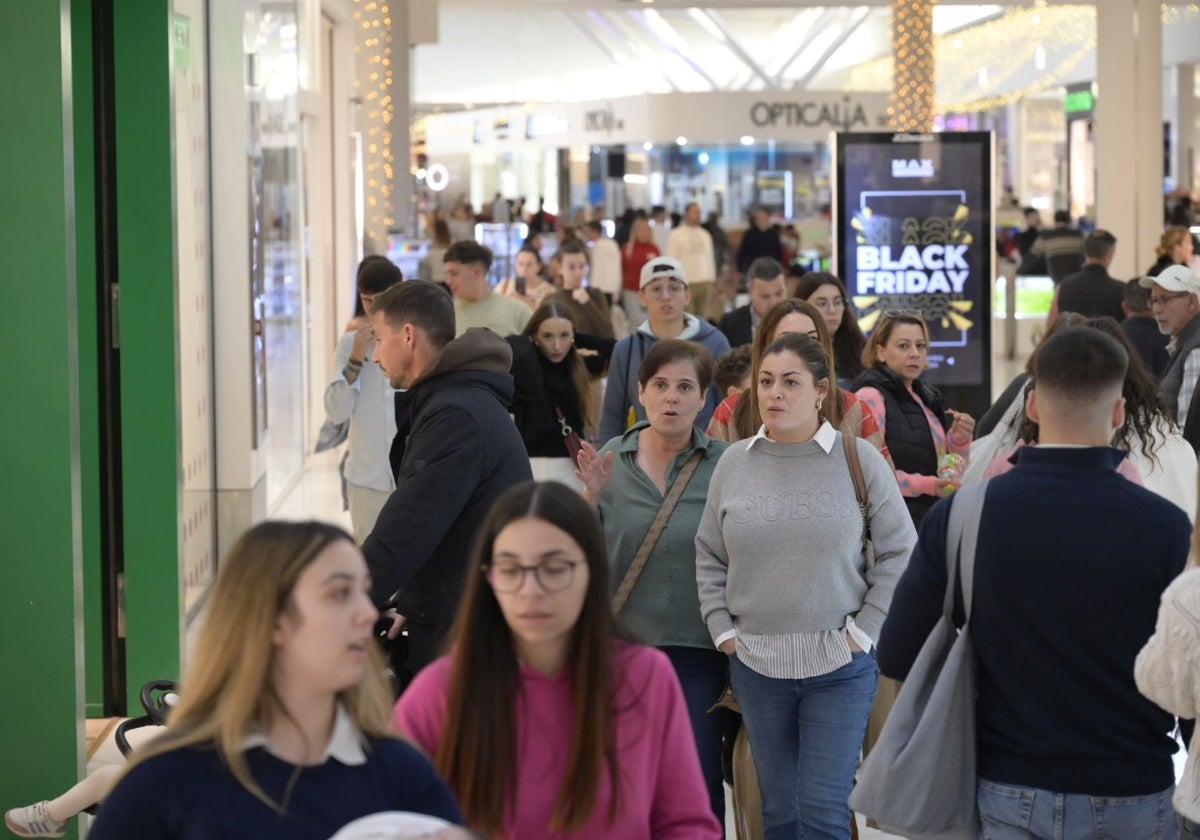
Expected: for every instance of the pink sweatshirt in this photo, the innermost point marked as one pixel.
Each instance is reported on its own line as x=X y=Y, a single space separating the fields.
x=662 y=793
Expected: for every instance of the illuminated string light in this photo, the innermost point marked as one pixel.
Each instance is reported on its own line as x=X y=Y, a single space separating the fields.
x=372 y=84
x=1005 y=46
x=911 y=105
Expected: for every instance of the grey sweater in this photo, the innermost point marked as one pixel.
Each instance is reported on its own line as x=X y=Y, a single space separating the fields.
x=779 y=554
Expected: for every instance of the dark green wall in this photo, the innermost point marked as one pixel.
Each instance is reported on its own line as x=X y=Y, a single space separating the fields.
x=149 y=402
x=40 y=496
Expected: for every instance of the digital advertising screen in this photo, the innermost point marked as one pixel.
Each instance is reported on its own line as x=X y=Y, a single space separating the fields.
x=913 y=232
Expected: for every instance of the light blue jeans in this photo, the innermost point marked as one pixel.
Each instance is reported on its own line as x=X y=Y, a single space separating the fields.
x=1012 y=813
x=806 y=736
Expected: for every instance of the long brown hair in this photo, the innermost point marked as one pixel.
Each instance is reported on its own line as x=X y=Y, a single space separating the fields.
x=579 y=374
x=848 y=339
x=227 y=693
x=477 y=753
x=746 y=416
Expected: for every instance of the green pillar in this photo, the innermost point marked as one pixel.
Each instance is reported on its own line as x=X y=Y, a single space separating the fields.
x=146 y=267
x=41 y=658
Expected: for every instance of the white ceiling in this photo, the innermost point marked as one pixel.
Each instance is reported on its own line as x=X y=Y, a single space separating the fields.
x=492 y=52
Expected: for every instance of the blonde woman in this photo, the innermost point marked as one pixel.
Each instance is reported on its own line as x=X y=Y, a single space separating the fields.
x=281 y=729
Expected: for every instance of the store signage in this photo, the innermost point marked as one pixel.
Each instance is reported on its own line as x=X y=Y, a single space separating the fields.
x=773 y=192
x=922 y=246
x=602 y=119
x=846 y=115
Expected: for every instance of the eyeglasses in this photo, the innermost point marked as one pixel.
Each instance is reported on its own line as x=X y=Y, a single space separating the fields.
x=554 y=576
x=1163 y=300
x=830 y=305
x=665 y=290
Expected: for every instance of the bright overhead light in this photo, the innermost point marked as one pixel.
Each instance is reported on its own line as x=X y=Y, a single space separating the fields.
x=647 y=145
x=681 y=140
x=703 y=158
x=747 y=140
x=707 y=24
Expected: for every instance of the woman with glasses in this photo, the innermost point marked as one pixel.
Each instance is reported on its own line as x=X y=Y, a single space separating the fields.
x=738 y=417
x=827 y=293
x=788 y=594
x=665 y=295
x=918 y=428
x=545 y=722
x=628 y=480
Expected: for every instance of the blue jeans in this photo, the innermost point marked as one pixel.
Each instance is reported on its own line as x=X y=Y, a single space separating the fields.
x=1013 y=813
x=806 y=736
x=702 y=673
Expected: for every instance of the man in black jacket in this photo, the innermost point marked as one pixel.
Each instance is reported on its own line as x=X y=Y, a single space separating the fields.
x=765 y=283
x=1092 y=292
x=461 y=453
x=761 y=239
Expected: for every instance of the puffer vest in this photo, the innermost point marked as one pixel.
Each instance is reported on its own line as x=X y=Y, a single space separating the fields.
x=907 y=434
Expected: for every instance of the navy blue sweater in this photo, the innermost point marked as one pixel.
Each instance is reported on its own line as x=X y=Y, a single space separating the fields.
x=1070 y=564
x=190 y=795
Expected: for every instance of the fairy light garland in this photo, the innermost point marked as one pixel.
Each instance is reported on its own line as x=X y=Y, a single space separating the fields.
x=372 y=85
x=1001 y=48
x=911 y=105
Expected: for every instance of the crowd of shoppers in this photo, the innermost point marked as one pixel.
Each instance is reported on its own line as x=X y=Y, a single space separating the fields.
x=559 y=642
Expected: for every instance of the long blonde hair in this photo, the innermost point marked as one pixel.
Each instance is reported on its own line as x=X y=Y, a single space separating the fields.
x=227 y=693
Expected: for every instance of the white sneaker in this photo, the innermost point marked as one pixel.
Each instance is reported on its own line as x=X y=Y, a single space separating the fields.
x=34 y=821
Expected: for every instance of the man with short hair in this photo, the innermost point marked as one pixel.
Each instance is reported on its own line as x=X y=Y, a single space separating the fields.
x=475 y=304
x=1175 y=303
x=766 y=284
x=461 y=453
x=692 y=245
x=1142 y=330
x=605 y=273
x=587 y=305
x=1060 y=249
x=1070 y=562
x=1033 y=225
x=664 y=294
x=1092 y=292
x=761 y=239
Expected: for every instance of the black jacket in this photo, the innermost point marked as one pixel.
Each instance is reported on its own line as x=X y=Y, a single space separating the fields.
x=737 y=327
x=1093 y=293
x=758 y=243
x=1143 y=333
x=461 y=451
x=907 y=433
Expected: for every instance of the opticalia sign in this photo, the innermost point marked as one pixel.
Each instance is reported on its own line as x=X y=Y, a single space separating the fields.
x=842 y=116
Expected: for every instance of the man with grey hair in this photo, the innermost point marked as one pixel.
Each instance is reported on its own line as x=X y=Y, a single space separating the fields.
x=1175 y=303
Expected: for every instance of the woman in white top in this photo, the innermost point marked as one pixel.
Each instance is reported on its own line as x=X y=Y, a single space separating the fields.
x=361 y=394
x=1168 y=672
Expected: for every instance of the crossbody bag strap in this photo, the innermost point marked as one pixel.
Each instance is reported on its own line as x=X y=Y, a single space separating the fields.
x=656 y=529
x=860 y=485
x=962 y=537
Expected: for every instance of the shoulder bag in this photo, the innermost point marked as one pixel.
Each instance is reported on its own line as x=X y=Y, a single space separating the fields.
x=919 y=780
x=860 y=493
x=656 y=528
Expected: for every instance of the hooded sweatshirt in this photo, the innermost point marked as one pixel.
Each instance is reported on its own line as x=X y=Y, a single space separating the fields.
x=460 y=452
x=622 y=391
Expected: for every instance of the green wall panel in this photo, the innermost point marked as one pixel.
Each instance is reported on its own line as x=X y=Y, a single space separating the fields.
x=149 y=385
x=41 y=619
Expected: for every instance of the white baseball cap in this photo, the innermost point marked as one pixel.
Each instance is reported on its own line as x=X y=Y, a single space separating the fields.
x=661 y=267
x=1174 y=278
